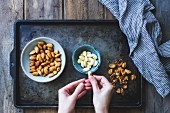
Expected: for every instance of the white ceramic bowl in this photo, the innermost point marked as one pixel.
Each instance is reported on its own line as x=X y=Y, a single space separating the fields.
x=25 y=59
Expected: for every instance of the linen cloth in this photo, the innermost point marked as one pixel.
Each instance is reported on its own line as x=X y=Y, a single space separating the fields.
x=144 y=36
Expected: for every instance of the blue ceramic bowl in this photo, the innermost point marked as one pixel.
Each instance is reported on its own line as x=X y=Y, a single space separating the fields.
x=78 y=51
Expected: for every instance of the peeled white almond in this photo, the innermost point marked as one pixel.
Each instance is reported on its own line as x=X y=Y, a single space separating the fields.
x=85 y=63
x=82 y=64
x=84 y=53
x=88 y=66
x=79 y=61
x=85 y=58
x=94 y=56
x=81 y=57
x=91 y=61
x=89 y=55
x=86 y=69
x=95 y=63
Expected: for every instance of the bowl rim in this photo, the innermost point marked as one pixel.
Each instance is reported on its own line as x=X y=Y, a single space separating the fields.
x=27 y=45
x=92 y=47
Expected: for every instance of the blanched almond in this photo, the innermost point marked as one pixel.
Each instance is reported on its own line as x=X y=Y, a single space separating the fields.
x=51 y=74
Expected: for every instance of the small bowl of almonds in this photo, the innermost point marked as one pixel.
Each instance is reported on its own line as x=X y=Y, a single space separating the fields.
x=43 y=59
x=86 y=58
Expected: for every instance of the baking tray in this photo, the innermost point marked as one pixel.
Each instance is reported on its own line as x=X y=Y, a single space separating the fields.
x=105 y=36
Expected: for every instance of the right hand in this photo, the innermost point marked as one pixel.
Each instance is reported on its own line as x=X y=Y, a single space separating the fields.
x=102 y=93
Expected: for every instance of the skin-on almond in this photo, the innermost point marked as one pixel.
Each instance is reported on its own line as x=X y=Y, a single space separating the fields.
x=32 y=70
x=42 y=55
x=39 y=46
x=50 y=49
x=36 y=49
x=49 y=55
x=41 y=43
x=58 y=59
x=37 y=63
x=35 y=73
x=44 y=47
x=49 y=45
x=57 y=55
x=32 y=52
x=56 y=52
x=32 y=57
x=32 y=64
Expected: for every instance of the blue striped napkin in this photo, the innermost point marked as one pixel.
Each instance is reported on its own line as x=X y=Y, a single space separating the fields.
x=144 y=38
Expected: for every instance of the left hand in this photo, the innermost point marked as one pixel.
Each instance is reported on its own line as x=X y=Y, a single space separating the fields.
x=69 y=94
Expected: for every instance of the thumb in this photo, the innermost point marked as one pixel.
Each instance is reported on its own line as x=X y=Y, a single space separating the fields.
x=94 y=83
x=78 y=89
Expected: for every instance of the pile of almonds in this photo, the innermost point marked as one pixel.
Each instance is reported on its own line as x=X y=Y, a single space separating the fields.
x=44 y=60
x=87 y=60
x=119 y=75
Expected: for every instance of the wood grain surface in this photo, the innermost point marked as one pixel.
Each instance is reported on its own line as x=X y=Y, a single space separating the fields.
x=12 y=10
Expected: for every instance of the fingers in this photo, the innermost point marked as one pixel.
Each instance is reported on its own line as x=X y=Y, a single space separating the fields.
x=94 y=83
x=78 y=89
x=81 y=94
x=74 y=84
x=102 y=79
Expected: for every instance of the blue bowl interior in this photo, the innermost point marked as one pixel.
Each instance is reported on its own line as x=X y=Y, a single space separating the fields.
x=77 y=53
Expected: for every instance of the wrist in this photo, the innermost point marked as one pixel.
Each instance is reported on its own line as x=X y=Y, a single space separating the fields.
x=101 y=110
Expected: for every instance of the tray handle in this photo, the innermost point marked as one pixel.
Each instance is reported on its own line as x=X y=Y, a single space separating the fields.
x=12 y=63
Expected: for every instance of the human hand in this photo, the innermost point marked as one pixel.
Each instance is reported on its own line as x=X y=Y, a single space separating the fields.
x=102 y=93
x=69 y=95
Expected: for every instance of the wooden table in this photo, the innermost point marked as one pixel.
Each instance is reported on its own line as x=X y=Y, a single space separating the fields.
x=11 y=10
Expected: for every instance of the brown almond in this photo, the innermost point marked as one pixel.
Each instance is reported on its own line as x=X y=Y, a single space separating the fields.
x=32 y=52
x=56 y=52
x=57 y=55
x=50 y=49
x=58 y=64
x=51 y=69
x=52 y=60
x=55 y=72
x=32 y=57
x=40 y=47
x=41 y=51
x=58 y=59
x=58 y=69
x=47 y=51
x=31 y=64
x=37 y=63
x=42 y=55
x=44 y=47
x=49 y=45
x=118 y=90
x=36 y=49
x=40 y=67
x=41 y=43
x=35 y=73
x=112 y=66
x=46 y=70
x=133 y=77
x=49 y=55
x=39 y=58
x=44 y=64
x=124 y=65
x=52 y=54
x=32 y=67
x=127 y=71
x=32 y=70
x=47 y=58
x=52 y=64
x=39 y=72
x=51 y=75
x=110 y=71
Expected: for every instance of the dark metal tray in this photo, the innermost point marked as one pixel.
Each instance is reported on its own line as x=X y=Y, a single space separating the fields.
x=106 y=36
